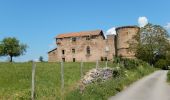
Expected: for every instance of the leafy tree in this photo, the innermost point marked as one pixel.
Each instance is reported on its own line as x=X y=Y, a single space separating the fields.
x=41 y=59
x=12 y=47
x=161 y=63
x=152 y=43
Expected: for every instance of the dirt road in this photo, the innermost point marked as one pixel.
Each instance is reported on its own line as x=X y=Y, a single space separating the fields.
x=152 y=87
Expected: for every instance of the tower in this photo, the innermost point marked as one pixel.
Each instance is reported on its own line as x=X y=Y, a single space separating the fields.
x=124 y=34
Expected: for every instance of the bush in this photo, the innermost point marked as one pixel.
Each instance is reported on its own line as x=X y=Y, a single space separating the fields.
x=103 y=90
x=131 y=63
x=118 y=72
x=162 y=64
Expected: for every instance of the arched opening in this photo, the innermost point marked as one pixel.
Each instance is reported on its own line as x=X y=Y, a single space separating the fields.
x=88 y=50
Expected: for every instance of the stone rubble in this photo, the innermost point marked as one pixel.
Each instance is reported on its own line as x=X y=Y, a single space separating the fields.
x=94 y=75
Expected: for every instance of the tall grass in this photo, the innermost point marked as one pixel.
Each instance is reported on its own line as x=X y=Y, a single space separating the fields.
x=103 y=90
x=15 y=79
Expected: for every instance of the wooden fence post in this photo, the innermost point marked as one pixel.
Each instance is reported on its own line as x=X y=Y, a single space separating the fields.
x=97 y=64
x=106 y=63
x=62 y=78
x=33 y=81
x=81 y=69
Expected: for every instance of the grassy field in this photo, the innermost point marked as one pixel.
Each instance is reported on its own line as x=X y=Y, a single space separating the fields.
x=103 y=90
x=15 y=80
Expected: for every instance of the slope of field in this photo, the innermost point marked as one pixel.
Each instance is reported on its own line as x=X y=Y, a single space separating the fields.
x=103 y=90
x=15 y=79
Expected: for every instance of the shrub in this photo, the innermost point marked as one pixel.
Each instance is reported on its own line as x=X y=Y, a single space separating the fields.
x=162 y=64
x=130 y=63
x=118 y=72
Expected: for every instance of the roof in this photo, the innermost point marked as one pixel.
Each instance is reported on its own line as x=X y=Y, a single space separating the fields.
x=127 y=27
x=78 y=34
x=52 y=50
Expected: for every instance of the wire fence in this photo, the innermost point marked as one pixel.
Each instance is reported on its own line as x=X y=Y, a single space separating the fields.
x=42 y=80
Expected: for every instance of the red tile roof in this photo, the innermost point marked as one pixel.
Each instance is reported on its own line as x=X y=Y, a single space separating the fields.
x=78 y=34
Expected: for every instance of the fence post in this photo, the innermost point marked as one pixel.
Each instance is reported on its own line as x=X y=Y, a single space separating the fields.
x=97 y=64
x=62 y=78
x=106 y=63
x=33 y=81
x=81 y=69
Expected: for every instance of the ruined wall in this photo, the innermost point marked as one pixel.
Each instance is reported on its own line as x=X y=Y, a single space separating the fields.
x=110 y=43
x=53 y=56
x=124 y=34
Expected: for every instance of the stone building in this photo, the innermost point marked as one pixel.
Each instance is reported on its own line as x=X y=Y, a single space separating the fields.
x=90 y=46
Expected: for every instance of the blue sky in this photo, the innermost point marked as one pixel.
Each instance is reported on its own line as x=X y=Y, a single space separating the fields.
x=37 y=22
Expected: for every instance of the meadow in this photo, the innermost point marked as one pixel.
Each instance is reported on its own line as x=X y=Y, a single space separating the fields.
x=15 y=79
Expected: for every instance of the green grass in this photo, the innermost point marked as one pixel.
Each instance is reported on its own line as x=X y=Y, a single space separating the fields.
x=102 y=91
x=15 y=80
x=168 y=76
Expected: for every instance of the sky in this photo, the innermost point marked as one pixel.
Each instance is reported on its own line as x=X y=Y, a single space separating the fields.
x=37 y=22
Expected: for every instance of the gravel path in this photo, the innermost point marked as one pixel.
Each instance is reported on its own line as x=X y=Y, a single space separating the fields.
x=152 y=87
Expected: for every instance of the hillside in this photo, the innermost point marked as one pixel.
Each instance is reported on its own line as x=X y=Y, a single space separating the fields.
x=15 y=81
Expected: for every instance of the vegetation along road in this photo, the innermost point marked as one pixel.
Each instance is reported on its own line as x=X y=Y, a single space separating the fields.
x=152 y=87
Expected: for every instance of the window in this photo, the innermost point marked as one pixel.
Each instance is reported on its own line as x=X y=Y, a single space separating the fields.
x=88 y=50
x=73 y=39
x=107 y=49
x=88 y=38
x=58 y=41
x=74 y=59
x=93 y=37
x=73 y=51
x=63 y=59
x=63 y=52
x=105 y=58
x=101 y=58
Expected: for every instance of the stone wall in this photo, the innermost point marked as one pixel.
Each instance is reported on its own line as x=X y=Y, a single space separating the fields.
x=99 y=48
x=53 y=56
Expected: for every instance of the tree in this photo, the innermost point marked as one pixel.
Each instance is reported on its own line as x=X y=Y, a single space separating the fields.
x=12 y=47
x=41 y=59
x=161 y=63
x=152 y=43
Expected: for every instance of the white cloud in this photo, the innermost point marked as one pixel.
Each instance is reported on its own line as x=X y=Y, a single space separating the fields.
x=111 y=31
x=167 y=26
x=142 y=21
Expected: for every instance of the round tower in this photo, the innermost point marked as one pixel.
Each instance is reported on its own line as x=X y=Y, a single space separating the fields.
x=125 y=34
